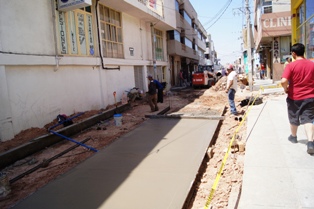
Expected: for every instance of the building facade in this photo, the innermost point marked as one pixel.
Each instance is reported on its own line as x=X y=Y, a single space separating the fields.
x=58 y=57
x=186 y=42
x=302 y=13
x=272 y=35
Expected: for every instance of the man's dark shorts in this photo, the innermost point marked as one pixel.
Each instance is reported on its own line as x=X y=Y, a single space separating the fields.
x=300 y=111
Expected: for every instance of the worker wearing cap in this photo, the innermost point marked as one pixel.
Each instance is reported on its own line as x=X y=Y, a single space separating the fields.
x=152 y=94
x=231 y=88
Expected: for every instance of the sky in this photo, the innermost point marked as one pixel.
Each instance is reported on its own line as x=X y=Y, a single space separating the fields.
x=226 y=28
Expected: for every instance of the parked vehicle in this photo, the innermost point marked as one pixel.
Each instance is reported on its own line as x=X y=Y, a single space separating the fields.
x=204 y=77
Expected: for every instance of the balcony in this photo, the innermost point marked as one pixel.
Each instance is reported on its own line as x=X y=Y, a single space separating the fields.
x=177 y=48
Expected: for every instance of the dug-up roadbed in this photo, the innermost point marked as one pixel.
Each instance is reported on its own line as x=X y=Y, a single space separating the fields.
x=188 y=102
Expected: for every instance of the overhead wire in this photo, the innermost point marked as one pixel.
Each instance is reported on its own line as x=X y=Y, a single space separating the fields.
x=219 y=12
x=227 y=6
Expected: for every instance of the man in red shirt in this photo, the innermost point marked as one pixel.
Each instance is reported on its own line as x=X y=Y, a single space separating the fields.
x=263 y=71
x=298 y=82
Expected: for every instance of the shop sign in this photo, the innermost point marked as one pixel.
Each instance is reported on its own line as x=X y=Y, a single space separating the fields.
x=276 y=24
x=68 y=5
x=62 y=31
x=276 y=57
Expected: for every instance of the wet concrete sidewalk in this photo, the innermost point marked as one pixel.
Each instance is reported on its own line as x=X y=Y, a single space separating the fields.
x=277 y=173
x=152 y=167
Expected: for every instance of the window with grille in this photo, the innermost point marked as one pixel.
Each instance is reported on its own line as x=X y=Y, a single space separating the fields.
x=267 y=6
x=268 y=9
x=111 y=32
x=158 y=45
x=75 y=30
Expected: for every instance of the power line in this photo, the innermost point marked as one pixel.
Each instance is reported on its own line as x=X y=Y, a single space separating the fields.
x=220 y=14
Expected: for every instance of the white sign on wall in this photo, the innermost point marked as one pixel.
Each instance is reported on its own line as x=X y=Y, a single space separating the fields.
x=68 y=5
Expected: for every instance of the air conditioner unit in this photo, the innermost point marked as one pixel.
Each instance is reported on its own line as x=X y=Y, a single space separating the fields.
x=68 y=5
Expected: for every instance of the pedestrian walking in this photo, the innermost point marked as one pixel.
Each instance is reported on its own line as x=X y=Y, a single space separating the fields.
x=231 y=88
x=288 y=60
x=152 y=94
x=257 y=71
x=182 y=78
x=298 y=82
x=262 y=71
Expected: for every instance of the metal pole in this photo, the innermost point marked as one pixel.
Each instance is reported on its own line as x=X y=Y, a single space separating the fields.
x=249 y=47
x=153 y=51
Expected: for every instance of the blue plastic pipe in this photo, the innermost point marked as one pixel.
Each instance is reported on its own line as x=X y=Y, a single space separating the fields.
x=67 y=138
x=72 y=140
x=58 y=124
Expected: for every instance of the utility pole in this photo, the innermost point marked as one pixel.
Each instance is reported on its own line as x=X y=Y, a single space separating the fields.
x=154 y=48
x=249 y=47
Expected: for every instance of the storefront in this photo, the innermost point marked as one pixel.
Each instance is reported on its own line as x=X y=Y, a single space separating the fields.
x=303 y=25
x=275 y=43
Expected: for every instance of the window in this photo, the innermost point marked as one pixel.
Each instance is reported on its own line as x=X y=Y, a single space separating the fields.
x=111 y=32
x=309 y=8
x=187 y=18
x=177 y=6
x=267 y=6
x=285 y=48
x=199 y=35
x=188 y=43
x=76 y=32
x=301 y=14
x=300 y=27
x=310 y=38
x=267 y=9
x=174 y=35
x=158 y=45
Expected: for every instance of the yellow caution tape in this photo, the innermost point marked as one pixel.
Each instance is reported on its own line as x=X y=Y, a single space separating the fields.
x=214 y=187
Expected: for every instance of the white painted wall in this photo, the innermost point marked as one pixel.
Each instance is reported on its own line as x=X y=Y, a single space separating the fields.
x=36 y=86
x=133 y=37
x=281 y=6
x=26 y=27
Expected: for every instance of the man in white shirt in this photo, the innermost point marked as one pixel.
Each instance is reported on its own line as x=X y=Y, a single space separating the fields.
x=231 y=88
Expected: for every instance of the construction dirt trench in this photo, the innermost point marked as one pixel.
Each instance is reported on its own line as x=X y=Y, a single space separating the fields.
x=207 y=104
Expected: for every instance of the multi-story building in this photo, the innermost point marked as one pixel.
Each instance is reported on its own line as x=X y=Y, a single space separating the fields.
x=272 y=34
x=302 y=12
x=209 y=53
x=69 y=56
x=186 y=42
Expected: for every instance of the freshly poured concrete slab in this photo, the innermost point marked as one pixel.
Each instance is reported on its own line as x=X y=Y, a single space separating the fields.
x=153 y=166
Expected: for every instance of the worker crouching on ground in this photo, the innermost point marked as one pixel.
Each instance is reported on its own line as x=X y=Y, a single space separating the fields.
x=152 y=94
x=160 y=93
x=231 y=88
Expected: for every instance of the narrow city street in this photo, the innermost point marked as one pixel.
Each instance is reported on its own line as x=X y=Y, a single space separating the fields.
x=103 y=134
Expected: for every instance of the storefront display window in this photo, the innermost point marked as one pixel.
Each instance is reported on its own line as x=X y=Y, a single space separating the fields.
x=300 y=34
x=309 y=8
x=310 y=38
x=301 y=14
x=285 y=43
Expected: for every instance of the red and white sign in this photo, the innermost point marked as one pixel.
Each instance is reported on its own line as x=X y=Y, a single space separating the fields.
x=276 y=24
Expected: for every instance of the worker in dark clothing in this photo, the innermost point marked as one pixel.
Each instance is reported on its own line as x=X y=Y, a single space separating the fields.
x=160 y=94
x=152 y=94
x=160 y=88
